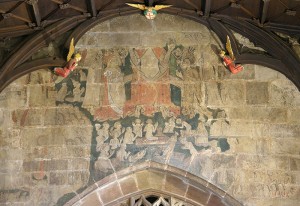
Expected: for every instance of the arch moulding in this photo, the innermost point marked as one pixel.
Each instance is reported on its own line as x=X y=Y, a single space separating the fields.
x=152 y=182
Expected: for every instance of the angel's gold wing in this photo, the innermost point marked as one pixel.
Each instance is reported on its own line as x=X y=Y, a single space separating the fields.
x=71 y=50
x=139 y=6
x=158 y=7
x=229 y=49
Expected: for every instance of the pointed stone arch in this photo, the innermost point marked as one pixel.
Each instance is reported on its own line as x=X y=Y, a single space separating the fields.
x=152 y=183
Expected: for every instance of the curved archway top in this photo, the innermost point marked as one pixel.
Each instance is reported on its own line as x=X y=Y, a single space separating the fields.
x=275 y=48
x=153 y=179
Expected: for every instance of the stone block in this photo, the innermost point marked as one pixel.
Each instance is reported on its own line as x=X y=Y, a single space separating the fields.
x=265 y=74
x=11 y=154
x=132 y=23
x=215 y=201
x=9 y=166
x=285 y=146
x=241 y=112
x=260 y=130
x=284 y=93
x=42 y=76
x=45 y=152
x=271 y=202
x=213 y=94
x=65 y=116
x=78 y=164
x=262 y=162
x=78 y=177
x=55 y=165
x=245 y=145
x=14 y=98
x=167 y=22
x=232 y=93
x=77 y=135
x=5 y=182
x=272 y=115
x=28 y=117
x=93 y=40
x=43 y=136
x=293 y=116
x=110 y=193
x=175 y=185
x=150 y=180
x=93 y=95
x=151 y=40
x=277 y=115
x=77 y=151
x=257 y=93
x=197 y=195
x=248 y=73
x=91 y=199
x=237 y=128
x=60 y=178
x=109 y=40
x=295 y=164
x=102 y=39
x=128 y=185
x=93 y=60
x=20 y=82
x=29 y=166
x=284 y=130
x=37 y=96
x=263 y=146
x=194 y=38
x=18 y=195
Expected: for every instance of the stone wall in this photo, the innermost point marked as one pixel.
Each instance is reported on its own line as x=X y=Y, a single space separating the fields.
x=150 y=91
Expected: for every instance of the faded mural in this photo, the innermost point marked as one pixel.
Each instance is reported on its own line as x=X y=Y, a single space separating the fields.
x=150 y=106
x=160 y=94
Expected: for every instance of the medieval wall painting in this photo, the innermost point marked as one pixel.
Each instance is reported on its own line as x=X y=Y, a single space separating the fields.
x=150 y=107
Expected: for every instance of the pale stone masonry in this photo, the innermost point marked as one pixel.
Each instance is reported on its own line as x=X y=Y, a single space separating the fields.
x=240 y=133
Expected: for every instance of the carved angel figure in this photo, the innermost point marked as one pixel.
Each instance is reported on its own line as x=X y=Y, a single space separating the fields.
x=228 y=61
x=72 y=62
x=150 y=12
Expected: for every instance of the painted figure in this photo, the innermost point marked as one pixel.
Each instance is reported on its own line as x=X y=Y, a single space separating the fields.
x=192 y=94
x=150 y=129
x=70 y=66
x=105 y=151
x=138 y=128
x=103 y=133
x=170 y=125
x=77 y=92
x=62 y=92
x=122 y=155
x=129 y=137
x=113 y=93
x=228 y=61
x=72 y=62
x=116 y=133
x=150 y=85
x=149 y=12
